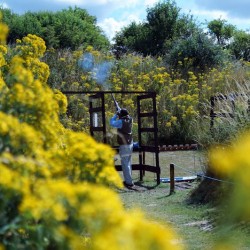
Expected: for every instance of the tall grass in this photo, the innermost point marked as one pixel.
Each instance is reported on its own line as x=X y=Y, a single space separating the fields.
x=232 y=115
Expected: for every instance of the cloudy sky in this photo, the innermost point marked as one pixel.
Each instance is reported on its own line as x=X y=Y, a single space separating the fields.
x=112 y=15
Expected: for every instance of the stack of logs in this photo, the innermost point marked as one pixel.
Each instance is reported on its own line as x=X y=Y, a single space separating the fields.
x=178 y=147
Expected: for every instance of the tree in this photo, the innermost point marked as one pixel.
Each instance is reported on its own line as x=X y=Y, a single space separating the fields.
x=69 y=28
x=162 y=22
x=240 y=47
x=163 y=26
x=135 y=37
x=221 y=30
x=199 y=50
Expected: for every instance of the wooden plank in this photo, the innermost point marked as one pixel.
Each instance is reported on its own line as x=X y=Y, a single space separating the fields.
x=151 y=149
x=148 y=129
x=95 y=110
x=96 y=129
x=149 y=168
x=152 y=169
x=146 y=96
x=134 y=167
x=148 y=114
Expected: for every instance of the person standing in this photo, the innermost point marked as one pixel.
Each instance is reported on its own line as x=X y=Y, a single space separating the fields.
x=124 y=122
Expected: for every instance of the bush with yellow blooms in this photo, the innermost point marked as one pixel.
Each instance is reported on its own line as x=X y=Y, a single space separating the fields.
x=232 y=164
x=55 y=183
x=182 y=95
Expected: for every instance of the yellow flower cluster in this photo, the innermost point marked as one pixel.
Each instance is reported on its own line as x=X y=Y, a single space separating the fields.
x=232 y=163
x=54 y=178
x=177 y=96
x=31 y=46
x=3 y=31
x=182 y=92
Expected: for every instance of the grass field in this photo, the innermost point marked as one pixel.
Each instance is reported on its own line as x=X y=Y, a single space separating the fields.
x=187 y=163
x=195 y=224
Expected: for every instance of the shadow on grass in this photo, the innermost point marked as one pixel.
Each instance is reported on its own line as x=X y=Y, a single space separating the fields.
x=145 y=186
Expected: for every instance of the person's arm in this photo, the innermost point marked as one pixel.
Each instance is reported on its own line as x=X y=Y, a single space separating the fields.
x=114 y=122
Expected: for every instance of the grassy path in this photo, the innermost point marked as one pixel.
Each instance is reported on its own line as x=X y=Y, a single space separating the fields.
x=190 y=222
x=193 y=223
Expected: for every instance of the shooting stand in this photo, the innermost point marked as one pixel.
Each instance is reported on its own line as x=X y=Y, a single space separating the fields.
x=99 y=128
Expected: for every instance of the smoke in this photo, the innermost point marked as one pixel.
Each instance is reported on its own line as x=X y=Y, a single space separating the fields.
x=99 y=71
x=87 y=62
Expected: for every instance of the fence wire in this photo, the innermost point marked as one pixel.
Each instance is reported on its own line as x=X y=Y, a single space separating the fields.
x=203 y=175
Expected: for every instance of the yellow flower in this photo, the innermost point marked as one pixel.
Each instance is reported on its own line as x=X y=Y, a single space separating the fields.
x=168 y=124
x=173 y=119
x=233 y=159
x=4 y=30
x=48 y=170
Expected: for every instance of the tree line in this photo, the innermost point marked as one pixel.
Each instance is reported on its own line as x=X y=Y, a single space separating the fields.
x=68 y=28
x=167 y=32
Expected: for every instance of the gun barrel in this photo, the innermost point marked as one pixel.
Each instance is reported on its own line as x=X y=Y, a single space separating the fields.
x=113 y=98
x=116 y=103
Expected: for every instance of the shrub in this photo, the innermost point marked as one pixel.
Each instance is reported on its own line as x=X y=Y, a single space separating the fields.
x=54 y=182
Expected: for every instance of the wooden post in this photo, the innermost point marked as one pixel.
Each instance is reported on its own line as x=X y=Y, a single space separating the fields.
x=143 y=161
x=143 y=157
x=172 y=180
x=141 y=164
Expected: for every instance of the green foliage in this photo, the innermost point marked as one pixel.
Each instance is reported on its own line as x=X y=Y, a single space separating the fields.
x=53 y=193
x=167 y=32
x=181 y=89
x=43 y=203
x=221 y=30
x=162 y=20
x=199 y=50
x=135 y=37
x=164 y=24
x=235 y=118
x=240 y=46
x=69 y=28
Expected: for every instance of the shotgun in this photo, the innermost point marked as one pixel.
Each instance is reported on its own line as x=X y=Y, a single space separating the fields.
x=116 y=103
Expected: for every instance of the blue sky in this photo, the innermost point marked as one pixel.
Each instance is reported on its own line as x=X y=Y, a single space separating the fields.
x=112 y=15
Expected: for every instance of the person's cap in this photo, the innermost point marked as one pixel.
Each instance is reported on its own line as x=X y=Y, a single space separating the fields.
x=123 y=112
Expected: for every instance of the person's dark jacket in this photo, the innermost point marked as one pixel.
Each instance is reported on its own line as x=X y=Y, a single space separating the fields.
x=124 y=134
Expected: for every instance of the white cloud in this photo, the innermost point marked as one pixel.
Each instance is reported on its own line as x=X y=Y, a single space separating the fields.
x=207 y=15
x=210 y=14
x=71 y=2
x=239 y=8
x=113 y=4
x=150 y=3
x=241 y=22
x=111 y=26
x=4 y=5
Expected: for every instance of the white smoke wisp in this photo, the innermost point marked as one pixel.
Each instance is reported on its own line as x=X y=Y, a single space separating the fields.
x=99 y=71
x=87 y=62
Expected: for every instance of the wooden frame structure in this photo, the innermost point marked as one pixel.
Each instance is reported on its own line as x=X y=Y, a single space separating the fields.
x=99 y=97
